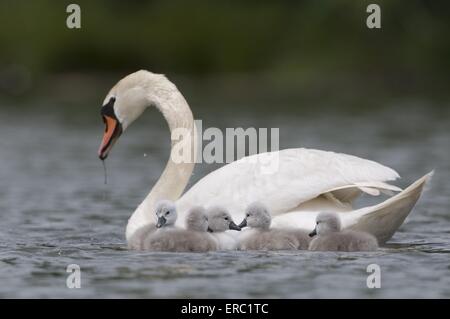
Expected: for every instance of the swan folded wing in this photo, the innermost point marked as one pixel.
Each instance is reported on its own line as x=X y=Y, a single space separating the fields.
x=285 y=179
x=348 y=193
x=383 y=219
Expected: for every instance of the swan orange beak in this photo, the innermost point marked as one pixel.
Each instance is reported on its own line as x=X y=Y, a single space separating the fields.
x=113 y=130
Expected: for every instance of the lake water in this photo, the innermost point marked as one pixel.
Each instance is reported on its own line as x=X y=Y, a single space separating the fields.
x=55 y=209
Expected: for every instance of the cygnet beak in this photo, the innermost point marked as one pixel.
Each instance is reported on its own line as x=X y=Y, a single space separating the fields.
x=233 y=226
x=243 y=223
x=161 y=222
x=313 y=233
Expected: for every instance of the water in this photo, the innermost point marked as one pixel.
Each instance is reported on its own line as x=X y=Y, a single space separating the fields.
x=56 y=210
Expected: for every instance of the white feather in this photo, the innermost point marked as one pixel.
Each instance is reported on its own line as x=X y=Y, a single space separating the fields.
x=302 y=175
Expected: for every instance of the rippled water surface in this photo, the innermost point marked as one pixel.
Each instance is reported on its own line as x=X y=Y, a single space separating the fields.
x=55 y=210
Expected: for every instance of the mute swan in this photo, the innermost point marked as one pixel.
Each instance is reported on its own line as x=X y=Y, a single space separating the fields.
x=262 y=237
x=194 y=238
x=306 y=182
x=331 y=238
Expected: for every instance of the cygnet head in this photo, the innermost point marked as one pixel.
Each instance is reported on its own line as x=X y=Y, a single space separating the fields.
x=166 y=213
x=219 y=220
x=326 y=222
x=257 y=215
x=197 y=220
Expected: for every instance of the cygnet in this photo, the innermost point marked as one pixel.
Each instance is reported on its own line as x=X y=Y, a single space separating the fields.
x=220 y=224
x=262 y=237
x=329 y=236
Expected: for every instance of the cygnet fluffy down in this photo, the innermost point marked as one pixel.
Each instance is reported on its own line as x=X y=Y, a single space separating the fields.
x=262 y=237
x=166 y=216
x=194 y=238
x=220 y=224
x=329 y=236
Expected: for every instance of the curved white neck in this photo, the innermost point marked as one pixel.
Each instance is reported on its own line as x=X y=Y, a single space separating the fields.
x=176 y=174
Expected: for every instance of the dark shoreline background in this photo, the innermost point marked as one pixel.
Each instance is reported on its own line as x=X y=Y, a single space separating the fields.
x=296 y=54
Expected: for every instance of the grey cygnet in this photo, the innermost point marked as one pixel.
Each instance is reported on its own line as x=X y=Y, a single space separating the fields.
x=220 y=220
x=257 y=216
x=166 y=216
x=194 y=238
x=329 y=236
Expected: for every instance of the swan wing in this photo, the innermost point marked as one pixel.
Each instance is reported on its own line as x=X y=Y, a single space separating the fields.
x=285 y=179
x=381 y=220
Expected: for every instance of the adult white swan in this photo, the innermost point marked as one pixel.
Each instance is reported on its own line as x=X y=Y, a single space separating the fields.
x=304 y=183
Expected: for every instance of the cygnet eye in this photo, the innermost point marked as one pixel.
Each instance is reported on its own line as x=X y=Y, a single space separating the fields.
x=226 y=218
x=167 y=213
x=248 y=215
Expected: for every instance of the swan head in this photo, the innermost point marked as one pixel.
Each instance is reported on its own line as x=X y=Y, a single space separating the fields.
x=166 y=213
x=126 y=101
x=256 y=215
x=220 y=220
x=326 y=222
x=197 y=220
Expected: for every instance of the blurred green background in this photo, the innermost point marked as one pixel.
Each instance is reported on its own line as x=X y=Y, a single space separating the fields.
x=294 y=54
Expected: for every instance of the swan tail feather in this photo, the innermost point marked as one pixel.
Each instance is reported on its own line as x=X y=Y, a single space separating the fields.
x=384 y=219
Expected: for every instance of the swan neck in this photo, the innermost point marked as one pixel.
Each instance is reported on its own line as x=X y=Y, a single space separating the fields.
x=177 y=172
